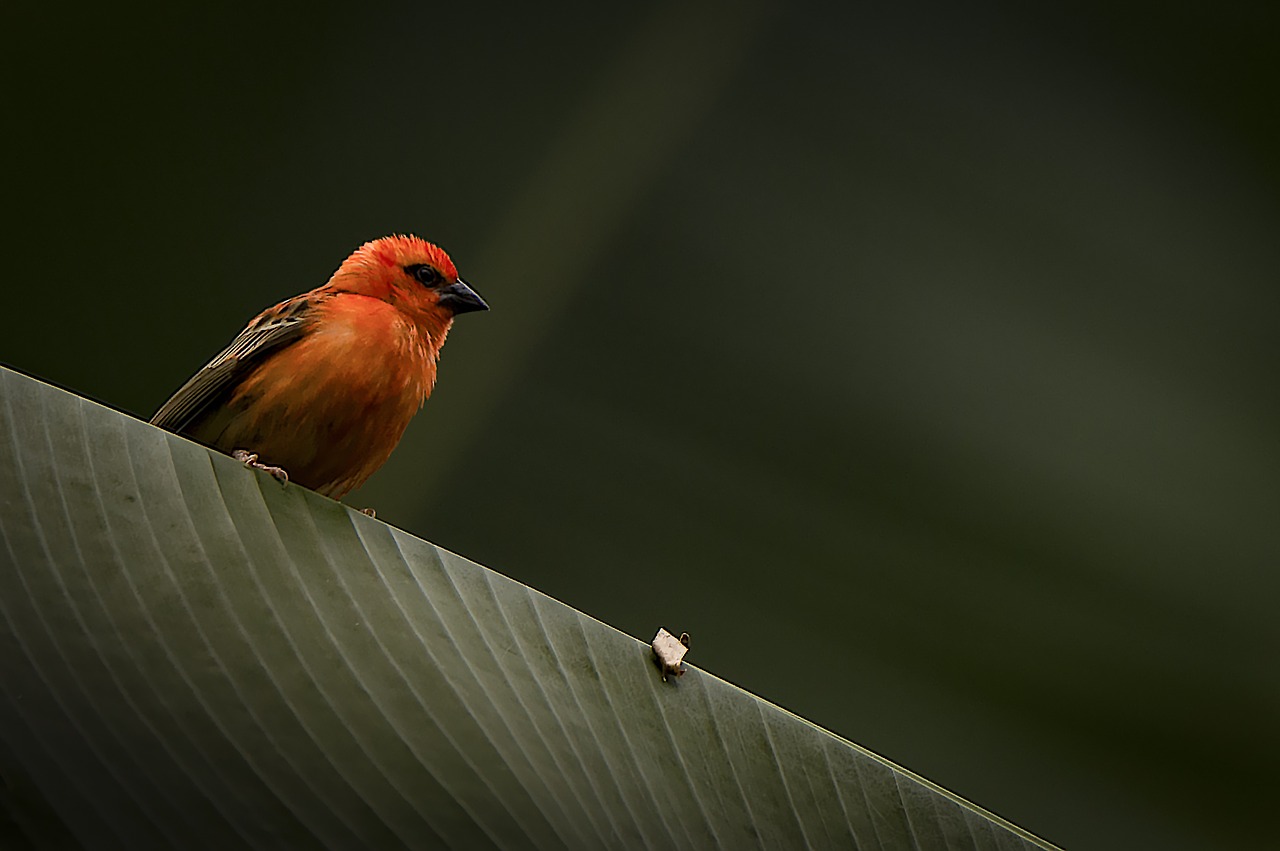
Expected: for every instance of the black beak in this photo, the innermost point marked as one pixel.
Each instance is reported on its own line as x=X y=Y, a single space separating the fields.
x=460 y=298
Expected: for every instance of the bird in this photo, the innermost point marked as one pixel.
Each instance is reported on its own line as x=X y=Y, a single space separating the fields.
x=318 y=389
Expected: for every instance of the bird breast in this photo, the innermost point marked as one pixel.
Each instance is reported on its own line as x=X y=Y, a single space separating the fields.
x=330 y=407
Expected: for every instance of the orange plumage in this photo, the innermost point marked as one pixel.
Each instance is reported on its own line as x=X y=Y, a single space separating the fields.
x=324 y=384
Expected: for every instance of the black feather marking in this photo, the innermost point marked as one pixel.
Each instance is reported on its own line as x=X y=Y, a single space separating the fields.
x=281 y=325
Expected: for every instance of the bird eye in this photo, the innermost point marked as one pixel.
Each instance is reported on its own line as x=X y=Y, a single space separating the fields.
x=424 y=274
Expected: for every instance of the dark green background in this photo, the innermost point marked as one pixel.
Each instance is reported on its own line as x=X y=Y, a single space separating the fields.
x=921 y=362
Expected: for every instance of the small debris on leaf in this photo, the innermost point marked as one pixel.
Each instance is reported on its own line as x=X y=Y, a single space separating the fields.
x=669 y=651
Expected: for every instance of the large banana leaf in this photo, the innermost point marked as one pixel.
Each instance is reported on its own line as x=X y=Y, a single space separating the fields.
x=194 y=656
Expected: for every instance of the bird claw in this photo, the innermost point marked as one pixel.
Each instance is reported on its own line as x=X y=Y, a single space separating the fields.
x=368 y=512
x=250 y=460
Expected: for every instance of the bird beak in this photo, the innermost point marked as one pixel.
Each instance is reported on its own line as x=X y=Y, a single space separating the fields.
x=460 y=298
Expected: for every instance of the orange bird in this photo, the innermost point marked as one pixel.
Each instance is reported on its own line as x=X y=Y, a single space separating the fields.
x=320 y=387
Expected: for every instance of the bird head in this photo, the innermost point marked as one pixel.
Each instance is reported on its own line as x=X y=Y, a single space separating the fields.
x=410 y=273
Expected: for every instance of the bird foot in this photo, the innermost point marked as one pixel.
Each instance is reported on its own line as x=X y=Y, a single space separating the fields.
x=250 y=459
x=368 y=512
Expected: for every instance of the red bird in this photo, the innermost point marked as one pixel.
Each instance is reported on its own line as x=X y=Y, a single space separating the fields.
x=320 y=387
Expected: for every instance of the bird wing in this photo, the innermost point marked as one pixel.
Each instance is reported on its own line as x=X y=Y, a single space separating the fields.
x=279 y=326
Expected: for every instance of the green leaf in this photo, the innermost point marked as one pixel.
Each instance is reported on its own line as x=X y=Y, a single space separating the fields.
x=195 y=656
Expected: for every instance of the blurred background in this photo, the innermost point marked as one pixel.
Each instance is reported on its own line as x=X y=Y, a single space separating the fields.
x=919 y=361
